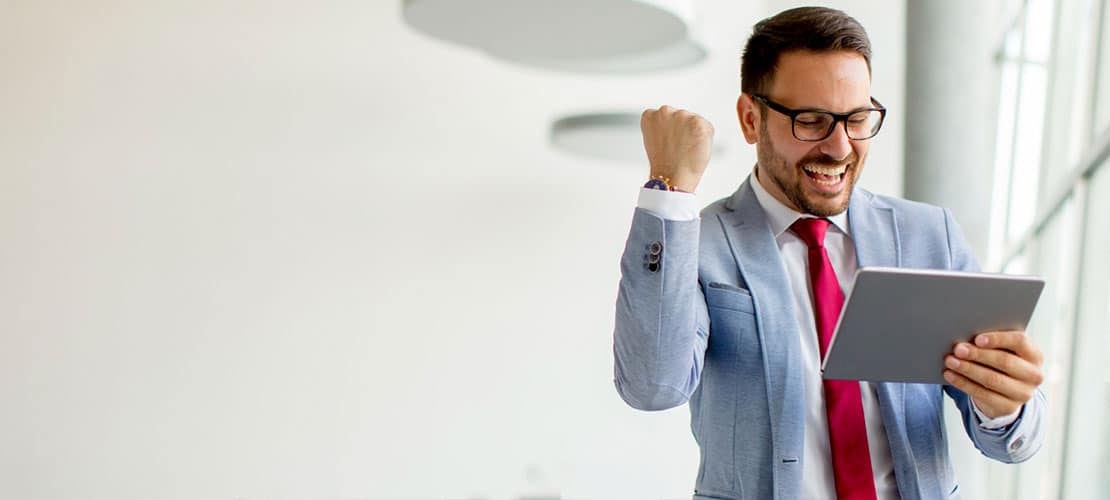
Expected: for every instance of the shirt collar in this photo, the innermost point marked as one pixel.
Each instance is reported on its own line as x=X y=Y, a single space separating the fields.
x=781 y=217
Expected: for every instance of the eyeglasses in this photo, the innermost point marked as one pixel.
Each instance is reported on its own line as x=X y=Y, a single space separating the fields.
x=812 y=125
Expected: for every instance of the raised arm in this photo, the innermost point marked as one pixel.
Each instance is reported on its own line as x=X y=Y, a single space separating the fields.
x=661 y=321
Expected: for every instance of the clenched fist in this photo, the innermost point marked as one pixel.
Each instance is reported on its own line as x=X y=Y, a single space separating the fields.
x=678 y=144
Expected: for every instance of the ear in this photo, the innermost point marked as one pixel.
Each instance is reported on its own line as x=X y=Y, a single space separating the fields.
x=748 y=113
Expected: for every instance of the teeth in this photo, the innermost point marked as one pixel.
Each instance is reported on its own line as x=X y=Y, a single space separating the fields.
x=826 y=171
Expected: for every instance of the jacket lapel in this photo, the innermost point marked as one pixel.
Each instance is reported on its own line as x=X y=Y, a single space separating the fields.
x=753 y=246
x=875 y=236
x=874 y=232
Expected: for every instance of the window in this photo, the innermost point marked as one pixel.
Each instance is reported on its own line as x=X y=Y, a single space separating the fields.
x=1051 y=217
x=1087 y=455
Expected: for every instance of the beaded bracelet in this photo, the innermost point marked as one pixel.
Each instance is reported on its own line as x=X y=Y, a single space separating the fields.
x=661 y=183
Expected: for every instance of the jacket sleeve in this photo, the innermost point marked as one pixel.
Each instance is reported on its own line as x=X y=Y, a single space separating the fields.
x=1021 y=439
x=662 y=325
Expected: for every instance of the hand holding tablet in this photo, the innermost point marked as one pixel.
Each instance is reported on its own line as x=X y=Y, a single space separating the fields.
x=999 y=370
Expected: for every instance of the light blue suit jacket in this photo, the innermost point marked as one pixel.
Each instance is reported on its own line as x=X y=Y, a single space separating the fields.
x=705 y=315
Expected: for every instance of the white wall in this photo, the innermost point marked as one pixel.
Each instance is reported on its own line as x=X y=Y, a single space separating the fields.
x=294 y=250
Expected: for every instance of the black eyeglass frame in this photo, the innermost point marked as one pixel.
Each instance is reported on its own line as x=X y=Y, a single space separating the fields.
x=837 y=117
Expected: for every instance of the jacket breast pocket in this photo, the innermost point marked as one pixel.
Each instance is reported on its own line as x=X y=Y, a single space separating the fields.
x=725 y=296
x=732 y=327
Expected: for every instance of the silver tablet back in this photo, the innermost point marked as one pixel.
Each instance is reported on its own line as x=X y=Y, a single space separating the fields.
x=898 y=324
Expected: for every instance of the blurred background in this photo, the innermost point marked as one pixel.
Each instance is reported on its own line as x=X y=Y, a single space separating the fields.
x=369 y=249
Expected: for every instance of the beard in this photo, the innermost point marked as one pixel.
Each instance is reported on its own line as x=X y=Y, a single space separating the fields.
x=820 y=204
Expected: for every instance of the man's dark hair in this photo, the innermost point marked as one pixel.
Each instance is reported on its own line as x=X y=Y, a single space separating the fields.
x=803 y=28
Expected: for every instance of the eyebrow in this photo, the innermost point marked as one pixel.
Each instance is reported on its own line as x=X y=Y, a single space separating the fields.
x=854 y=110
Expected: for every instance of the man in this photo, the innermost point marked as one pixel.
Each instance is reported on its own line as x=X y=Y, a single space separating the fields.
x=732 y=312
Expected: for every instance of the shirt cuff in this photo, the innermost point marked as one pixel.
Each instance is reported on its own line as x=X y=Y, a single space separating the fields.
x=670 y=205
x=997 y=422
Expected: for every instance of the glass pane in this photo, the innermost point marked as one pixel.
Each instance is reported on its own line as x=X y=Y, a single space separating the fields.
x=1067 y=129
x=1104 y=465
x=1017 y=265
x=1056 y=255
x=1027 y=150
x=1011 y=45
x=1038 y=30
x=1004 y=144
x=1085 y=30
x=1088 y=443
x=1102 y=90
x=1105 y=462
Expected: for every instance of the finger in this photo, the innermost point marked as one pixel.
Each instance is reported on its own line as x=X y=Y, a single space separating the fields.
x=703 y=126
x=1002 y=361
x=1014 y=340
x=981 y=395
x=991 y=379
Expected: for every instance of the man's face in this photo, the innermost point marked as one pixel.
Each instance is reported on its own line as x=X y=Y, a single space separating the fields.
x=810 y=177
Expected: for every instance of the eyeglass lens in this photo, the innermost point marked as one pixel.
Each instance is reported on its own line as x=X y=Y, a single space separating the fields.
x=815 y=126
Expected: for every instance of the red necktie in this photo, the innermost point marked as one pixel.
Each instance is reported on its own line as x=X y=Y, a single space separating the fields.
x=843 y=406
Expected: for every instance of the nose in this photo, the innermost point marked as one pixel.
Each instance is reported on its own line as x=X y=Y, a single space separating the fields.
x=837 y=145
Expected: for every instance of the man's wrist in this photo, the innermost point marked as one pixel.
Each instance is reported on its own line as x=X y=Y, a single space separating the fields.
x=995 y=422
x=667 y=183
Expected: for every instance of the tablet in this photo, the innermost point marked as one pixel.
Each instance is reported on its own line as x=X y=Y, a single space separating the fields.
x=897 y=325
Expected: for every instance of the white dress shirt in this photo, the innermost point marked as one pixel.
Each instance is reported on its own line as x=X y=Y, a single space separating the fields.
x=817 y=470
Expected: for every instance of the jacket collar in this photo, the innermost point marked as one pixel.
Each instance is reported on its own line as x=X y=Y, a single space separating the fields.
x=868 y=215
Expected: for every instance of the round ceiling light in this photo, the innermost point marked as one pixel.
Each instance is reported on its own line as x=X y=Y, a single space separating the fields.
x=616 y=36
x=677 y=55
x=606 y=136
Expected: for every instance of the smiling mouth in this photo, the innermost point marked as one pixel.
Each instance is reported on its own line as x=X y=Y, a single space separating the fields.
x=827 y=176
